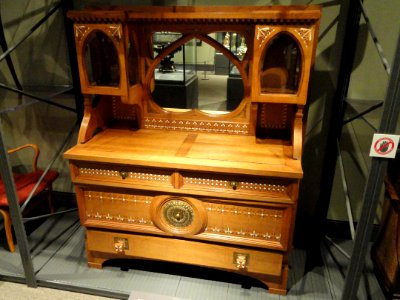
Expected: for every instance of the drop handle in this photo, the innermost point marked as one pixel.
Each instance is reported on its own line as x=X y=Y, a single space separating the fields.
x=119 y=247
x=241 y=260
x=234 y=185
x=123 y=174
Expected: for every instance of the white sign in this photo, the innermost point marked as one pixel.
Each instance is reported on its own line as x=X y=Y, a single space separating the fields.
x=384 y=145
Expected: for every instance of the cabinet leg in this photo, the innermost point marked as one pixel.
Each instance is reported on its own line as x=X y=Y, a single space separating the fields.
x=95 y=262
x=280 y=286
x=95 y=265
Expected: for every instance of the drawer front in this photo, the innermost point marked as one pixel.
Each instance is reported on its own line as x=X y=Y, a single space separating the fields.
x=126 y=175
x=238 y=186
x=184 y=251
x=227 y=221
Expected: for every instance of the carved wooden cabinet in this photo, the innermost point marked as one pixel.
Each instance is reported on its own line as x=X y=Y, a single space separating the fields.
x=165 y=171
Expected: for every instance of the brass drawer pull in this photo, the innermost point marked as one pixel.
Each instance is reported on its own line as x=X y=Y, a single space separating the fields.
x=120 y=244
x=234 y=184
x=123 y=174
x=241 y=260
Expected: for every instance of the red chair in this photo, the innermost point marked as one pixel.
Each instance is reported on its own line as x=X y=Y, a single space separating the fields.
x=24 y=184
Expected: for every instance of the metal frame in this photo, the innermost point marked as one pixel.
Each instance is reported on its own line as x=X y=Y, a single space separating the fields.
x=378 y=168
x=5 y=168
x=15 y=213
x=374 y=184
x=336 y=117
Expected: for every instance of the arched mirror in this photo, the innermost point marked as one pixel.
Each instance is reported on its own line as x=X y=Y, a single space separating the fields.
x=101 y=60
x=281 y=66
x=194 y=83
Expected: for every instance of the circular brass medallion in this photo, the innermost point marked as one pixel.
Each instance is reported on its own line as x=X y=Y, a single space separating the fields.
x=178 y=213
x=179 y=216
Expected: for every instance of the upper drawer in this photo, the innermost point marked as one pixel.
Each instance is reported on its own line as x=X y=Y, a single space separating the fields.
x=122 y=175
x=237 y=186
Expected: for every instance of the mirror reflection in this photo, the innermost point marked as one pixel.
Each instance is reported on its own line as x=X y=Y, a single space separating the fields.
x=233 y=41
x=190 y=77
x=101 y=59
x=281 y=67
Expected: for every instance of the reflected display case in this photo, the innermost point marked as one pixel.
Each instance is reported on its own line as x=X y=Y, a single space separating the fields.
x=175 y=76
x=177 y=162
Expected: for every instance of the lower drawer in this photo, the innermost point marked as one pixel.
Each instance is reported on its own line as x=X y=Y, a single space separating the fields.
x=106 y=245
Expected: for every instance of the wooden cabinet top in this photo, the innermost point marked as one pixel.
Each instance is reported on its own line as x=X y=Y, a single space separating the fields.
x=202 y=13
x=189 y=151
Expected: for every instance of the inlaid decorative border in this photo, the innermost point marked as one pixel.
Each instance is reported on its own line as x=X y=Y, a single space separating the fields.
x=241 y=185
x=197 y=126
x=81 y=31
x=241 y=233
x=305 y=34
x=117 y=198
x=145 y=176
x=257 y=215
x=263 y=33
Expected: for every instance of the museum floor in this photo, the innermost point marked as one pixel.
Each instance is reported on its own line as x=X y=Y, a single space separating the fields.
x=59 y=261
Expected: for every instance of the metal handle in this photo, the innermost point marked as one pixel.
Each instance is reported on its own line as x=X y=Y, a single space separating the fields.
x=241 y=260
x=119 y=247
x=123 y=174
x=234 y=184
x=120 y=244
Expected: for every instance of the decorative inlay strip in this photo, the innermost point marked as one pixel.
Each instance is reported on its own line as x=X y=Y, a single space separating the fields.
x=235 y=210
x=133 y=209
x=242 y=233
x=241 y=185
x=263 y=33
x=305 y=34
x=115 y=32
x=81 y=31
x=256 y=223
x=132 y=175
x=202 y=126
x=262 y=187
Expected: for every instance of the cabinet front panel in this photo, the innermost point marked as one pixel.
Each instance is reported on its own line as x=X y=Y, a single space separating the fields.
x=121 y=245
x=227 y=221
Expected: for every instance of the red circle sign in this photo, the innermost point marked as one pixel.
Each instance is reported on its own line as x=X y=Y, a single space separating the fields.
x=384 y=146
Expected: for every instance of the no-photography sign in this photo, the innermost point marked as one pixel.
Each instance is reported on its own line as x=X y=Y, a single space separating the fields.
x=384 y=145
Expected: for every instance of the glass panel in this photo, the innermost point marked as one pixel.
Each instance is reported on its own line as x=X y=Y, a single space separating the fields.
x=193 y=82
x=101 y=60
x=233 y=41
x=281 y=68
x=162 y=39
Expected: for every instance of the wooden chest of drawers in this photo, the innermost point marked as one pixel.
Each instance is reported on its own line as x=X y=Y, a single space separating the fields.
x=163 y=170
x=237 y=212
